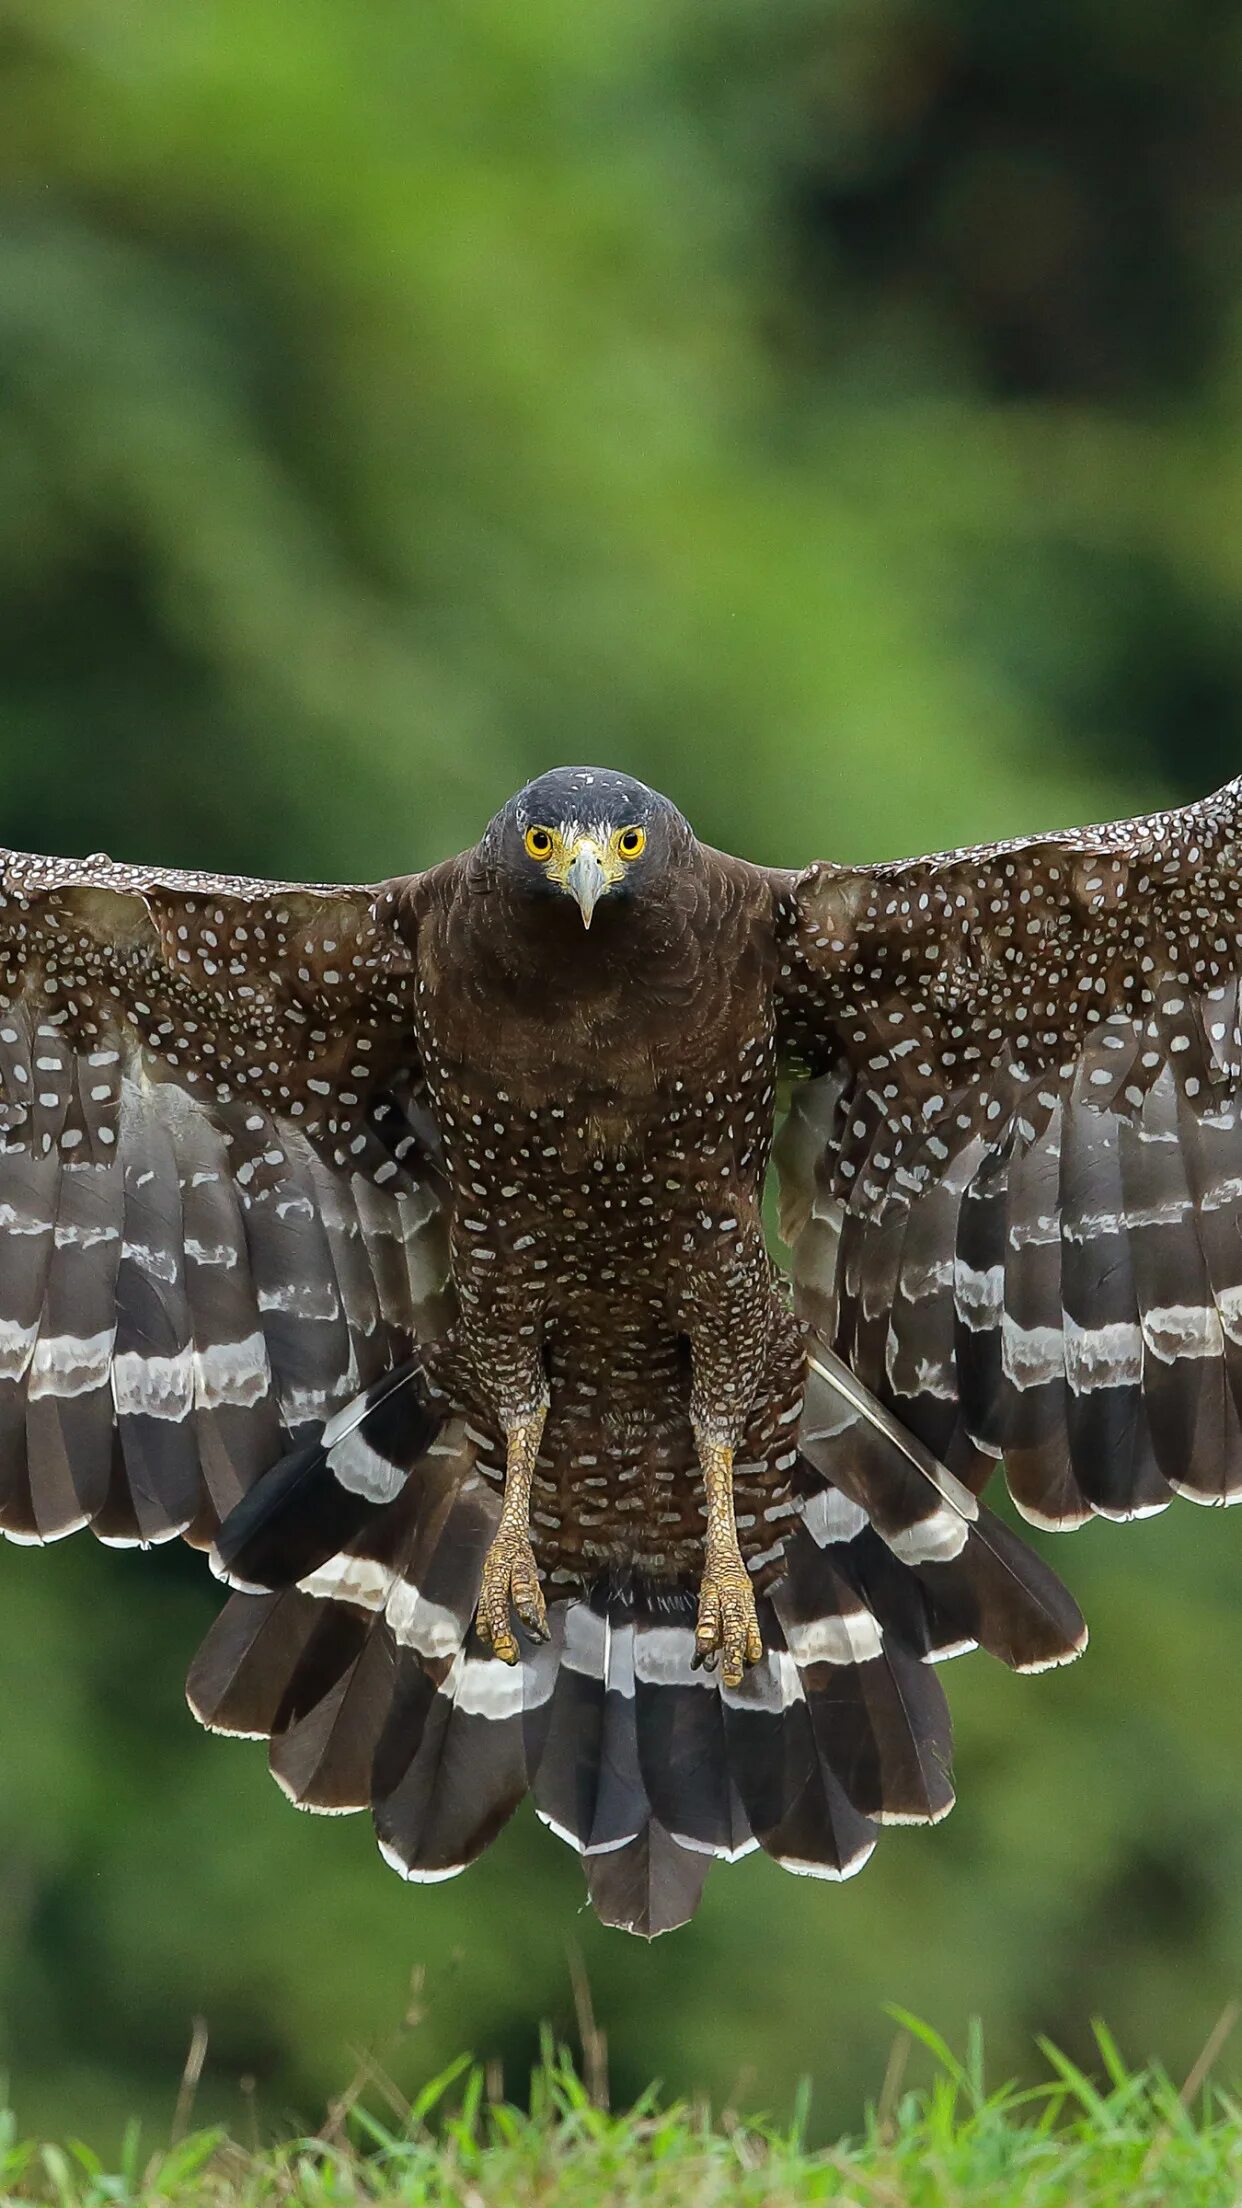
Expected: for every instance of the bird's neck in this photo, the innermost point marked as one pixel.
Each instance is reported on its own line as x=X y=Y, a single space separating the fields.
x=651 y=986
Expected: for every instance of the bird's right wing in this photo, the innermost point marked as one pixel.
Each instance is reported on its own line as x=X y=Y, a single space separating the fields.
x=220 y=1209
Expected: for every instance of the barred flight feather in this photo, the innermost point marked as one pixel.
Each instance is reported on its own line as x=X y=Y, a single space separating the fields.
x=1032 y=1053
x=199 y=1078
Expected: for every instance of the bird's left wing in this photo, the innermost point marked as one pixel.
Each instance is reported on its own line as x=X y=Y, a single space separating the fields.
x=219 y=1201
x=1013 y=1184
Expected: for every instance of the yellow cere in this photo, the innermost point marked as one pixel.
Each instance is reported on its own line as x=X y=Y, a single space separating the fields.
x=557 y=848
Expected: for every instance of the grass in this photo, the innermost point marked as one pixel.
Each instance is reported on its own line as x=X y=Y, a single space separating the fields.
x=1129 y=2138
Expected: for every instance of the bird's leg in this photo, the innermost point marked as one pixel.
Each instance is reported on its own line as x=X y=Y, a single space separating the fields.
x=728 y=1626
x=510 y=1574
x=725 y=1306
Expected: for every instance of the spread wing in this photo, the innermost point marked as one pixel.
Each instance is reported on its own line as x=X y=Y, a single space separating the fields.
x=219 y=1203
x=1013 y=1187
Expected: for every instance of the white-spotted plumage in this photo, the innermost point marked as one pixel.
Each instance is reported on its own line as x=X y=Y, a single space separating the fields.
x=308 y=1194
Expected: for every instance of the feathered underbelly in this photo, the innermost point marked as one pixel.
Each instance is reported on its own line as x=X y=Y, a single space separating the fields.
x=618 y=1479
x=594 y=1235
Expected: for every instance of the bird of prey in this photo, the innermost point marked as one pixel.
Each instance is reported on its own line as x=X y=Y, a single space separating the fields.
x=403 y=1246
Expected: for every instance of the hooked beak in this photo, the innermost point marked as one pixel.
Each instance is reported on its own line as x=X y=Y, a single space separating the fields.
x=585 y=879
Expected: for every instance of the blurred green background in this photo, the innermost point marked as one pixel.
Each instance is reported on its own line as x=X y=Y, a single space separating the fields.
x=830 y=411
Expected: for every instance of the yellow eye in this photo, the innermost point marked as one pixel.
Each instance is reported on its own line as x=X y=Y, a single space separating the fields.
x=539 y=843
x=631 y=841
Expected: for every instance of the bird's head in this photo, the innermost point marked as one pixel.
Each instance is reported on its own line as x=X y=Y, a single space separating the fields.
x=588 y=834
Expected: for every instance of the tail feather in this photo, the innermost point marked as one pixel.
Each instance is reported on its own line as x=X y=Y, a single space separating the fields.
x=356 y=1728
x=410 y=1715
x=463 y=1730
x=622 y=1811
x=651 y=1884
x=911 y=1612
x=984 y=1579
x=879 y=1714
x=796 y=1806
x=455 y=1514
x=681 y=1738
x=452 y=1765
x=370 y=1683
x=323 y=1740
x=327 y=1726
x=590 y=1783
x=566 y=1780
x=308 y=1508
x=241 y=1674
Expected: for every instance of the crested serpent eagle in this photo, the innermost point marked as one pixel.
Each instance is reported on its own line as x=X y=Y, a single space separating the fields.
x=403 y=1247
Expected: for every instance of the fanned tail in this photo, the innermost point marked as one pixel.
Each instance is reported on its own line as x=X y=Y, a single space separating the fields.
x=368 y=1681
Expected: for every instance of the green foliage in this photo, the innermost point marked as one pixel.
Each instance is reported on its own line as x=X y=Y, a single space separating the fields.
x=1131 y=2141
x=828 y=411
